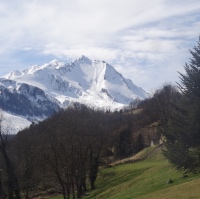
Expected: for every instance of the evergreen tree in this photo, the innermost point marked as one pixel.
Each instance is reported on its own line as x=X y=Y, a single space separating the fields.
x=183 y=129
x=125 y=144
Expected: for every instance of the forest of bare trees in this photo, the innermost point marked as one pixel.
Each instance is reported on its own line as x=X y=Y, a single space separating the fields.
x=62 y=154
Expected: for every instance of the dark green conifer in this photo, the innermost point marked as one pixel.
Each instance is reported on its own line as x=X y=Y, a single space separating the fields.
x=183 y=129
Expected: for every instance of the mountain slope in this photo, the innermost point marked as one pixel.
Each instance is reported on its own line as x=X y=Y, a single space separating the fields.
x=39 y=91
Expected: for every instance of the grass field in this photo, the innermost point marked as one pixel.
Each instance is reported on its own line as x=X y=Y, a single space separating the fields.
x=145 y=179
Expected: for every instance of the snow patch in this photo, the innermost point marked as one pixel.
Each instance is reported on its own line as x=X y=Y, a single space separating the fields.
x=12 y=124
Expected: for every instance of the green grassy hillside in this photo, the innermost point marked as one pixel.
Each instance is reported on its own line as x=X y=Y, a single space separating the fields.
x=145 y=179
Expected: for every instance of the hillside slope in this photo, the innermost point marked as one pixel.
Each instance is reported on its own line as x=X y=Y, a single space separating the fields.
x=145 y=179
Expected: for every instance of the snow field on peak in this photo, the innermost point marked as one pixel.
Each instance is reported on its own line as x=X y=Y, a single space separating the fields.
x=91 y=82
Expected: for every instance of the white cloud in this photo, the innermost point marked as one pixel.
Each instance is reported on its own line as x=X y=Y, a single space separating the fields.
x=107 y=54
x=147 y=38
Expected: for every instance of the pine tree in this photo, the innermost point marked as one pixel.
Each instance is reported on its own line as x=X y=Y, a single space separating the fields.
x=183 y=129
x=191 y=89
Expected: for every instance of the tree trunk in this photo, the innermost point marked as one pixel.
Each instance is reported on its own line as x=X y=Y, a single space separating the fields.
x=73 y=191
x=68 y=191
x=12 y=181
x=1 y=184
x=83 y=184
x=94 y=168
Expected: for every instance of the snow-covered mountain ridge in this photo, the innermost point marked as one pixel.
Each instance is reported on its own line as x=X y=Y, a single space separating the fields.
x=39 y=91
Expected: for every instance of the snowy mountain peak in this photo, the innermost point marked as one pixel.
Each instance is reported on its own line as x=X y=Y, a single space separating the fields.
x=30 y=70
x=55 y=64
x=82 y=60
x=54 y=85
x=81 y=80
x=83 y=57
x=15 y=73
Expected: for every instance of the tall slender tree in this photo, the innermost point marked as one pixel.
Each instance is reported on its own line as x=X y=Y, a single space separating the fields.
x=183 y=128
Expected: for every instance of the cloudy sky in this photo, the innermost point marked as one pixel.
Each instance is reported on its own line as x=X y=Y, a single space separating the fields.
x=146 y=41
